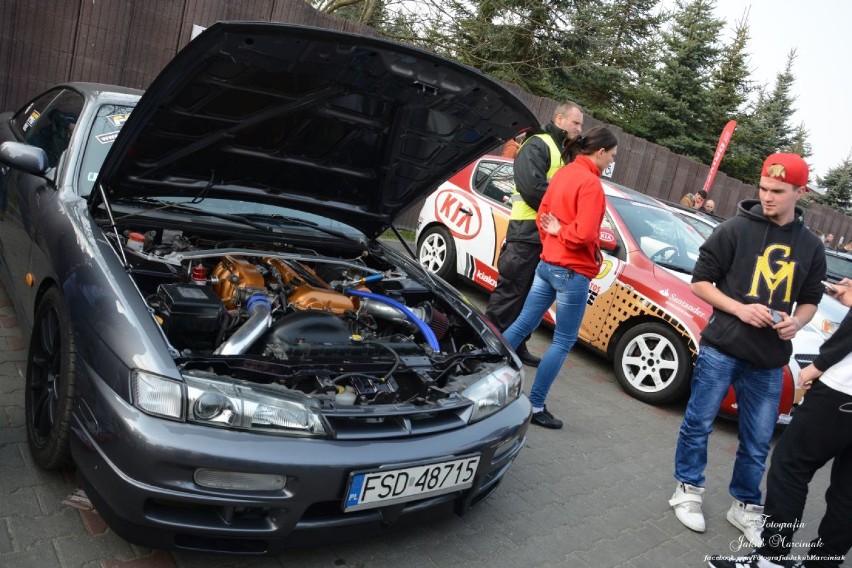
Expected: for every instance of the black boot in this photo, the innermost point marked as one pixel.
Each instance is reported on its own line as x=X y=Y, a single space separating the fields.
x=526 y=357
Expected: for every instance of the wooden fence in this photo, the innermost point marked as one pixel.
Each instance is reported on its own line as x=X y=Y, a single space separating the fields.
x=127 y=42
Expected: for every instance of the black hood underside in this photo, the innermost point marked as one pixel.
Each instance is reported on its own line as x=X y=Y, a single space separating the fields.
x=352 y=127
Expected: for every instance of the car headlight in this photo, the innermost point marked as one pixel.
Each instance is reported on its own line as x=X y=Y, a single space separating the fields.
x=225 y=404
x=157 y=395
x=829 y=327
x=494 y=391
x=825 y=328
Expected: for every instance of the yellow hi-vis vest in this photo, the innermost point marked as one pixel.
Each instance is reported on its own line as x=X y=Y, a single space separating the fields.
x=520 y=210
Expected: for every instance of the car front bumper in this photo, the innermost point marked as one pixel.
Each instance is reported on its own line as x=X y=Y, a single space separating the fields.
x=138 y=471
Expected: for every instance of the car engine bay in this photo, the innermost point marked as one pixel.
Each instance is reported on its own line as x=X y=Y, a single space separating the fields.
x=353 y=331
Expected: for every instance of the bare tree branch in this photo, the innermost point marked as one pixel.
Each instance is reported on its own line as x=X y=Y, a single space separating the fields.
x=335 y=5
x=369 y=9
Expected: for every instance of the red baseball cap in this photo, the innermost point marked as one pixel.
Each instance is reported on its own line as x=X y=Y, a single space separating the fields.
x=789 y=168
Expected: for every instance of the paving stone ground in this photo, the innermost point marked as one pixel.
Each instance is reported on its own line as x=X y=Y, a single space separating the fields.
x=591 y=495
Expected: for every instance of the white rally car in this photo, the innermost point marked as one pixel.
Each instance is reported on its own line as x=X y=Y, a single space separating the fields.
x=641 y=312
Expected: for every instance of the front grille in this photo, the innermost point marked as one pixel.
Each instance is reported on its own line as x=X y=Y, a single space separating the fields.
x=371 y=423
x=804 y=360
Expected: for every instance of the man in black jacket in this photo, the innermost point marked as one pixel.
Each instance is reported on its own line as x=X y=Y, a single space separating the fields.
x=821 y=430
x=537 y=160
x=753 y=270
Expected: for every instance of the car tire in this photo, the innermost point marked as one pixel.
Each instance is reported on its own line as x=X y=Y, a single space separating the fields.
x=436 y=252
x=50 y=383
x=653 y=364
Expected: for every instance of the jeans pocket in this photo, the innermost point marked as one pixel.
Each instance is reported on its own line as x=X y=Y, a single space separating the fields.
x=560 y=278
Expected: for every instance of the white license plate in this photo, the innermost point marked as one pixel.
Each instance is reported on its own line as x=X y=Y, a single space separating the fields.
x=385 y=487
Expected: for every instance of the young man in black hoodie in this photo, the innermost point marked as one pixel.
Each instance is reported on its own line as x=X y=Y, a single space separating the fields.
x=821 y=431
x=761 y=272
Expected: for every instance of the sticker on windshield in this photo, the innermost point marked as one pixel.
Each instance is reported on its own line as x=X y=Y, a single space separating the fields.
x=31 y=120
x=92 y=176
x=118 y=119
x=107 y=138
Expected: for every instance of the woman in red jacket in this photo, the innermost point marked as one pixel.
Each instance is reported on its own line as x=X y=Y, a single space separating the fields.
x=569 y=221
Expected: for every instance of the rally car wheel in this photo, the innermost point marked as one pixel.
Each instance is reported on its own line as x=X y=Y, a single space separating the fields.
x=652 y=363
x=437 y=252
x=50 y=383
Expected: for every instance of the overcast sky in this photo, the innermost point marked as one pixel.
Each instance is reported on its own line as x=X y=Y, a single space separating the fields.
x=819 y=31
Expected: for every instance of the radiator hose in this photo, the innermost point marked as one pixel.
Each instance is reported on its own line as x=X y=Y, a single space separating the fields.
x=430 y=336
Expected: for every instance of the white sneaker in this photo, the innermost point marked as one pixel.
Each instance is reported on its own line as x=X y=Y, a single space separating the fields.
x=749 y=519
x=687 y=501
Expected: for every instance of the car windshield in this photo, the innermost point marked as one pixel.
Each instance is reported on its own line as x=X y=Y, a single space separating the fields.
x=839 y=266
x=704 y=228
x=662 y=236
x=108 y=121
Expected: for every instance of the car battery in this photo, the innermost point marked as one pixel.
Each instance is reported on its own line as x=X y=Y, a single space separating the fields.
x=192 y=315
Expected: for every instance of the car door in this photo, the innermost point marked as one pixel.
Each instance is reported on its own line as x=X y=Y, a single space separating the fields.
x=474 y=212
x=599 y=302
x=493 y=184
x=46 y=122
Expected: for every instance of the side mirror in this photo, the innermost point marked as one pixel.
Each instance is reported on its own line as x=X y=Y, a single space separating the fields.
x=607 y=240
x=29 y=159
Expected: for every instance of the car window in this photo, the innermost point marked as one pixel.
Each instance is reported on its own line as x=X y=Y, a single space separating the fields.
x=661 y=235
x=495 y=181
x=108 y=121
x=50 y=121
x=25 y=118
x=483 y=170
x=838 y=267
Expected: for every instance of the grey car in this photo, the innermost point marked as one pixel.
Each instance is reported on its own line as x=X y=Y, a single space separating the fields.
x=219 y=342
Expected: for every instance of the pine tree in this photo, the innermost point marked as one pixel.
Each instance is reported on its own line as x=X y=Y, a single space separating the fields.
x=799 y=143
x=731 y=84
x=765 y=128
x=779 y=109
x=506 y=39
x=838 y=185
x=679 y=112
x=609 y=50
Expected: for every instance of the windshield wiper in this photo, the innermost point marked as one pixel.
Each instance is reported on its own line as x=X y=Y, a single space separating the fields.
x=157 y=205
x=675 y=267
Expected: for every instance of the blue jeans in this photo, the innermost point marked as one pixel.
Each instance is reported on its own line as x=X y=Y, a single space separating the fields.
x=571 y=291
x=758 y=394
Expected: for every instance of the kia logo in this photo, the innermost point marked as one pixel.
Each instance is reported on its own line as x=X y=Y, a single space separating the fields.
x=459 y=213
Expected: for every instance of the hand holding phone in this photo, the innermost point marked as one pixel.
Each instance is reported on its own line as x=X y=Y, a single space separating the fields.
x=776 y=317
x=832 y=289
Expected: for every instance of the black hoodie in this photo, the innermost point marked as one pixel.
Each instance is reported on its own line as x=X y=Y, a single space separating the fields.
x=755 y=261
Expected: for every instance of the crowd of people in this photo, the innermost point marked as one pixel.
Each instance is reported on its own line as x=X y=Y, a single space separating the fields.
x=841 y=245
x=699 y=202
x=552 y=253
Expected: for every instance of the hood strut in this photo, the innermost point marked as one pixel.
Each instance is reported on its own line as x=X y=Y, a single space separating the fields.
x=114 y=227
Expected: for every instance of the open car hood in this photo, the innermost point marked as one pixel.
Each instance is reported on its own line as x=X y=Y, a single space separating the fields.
x=351 y=127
